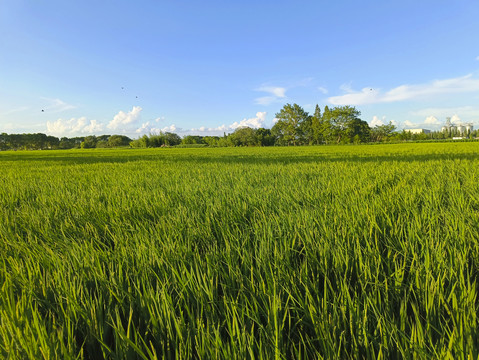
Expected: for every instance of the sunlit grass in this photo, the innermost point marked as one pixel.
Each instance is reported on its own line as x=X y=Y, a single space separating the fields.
x=312 y=252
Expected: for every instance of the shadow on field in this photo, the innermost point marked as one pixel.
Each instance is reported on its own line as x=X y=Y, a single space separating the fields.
x=325 y=158
x=266 y=159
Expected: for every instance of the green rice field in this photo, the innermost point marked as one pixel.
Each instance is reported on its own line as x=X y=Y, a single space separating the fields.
x=334 y=252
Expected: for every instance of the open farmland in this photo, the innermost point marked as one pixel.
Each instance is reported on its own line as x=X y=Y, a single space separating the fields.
x=308 y=252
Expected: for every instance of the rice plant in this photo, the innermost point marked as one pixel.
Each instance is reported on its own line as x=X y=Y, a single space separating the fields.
x=262 y=253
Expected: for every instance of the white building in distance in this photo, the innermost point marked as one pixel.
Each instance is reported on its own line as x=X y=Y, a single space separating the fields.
x=463 y=129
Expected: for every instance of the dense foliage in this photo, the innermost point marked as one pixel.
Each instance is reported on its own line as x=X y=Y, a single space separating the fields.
x=286 y=252
x=43 y=142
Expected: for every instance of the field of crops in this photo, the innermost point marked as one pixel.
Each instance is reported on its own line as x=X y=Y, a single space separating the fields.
x=267 y=253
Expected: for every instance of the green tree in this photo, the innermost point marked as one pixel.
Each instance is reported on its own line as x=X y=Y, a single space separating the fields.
x=382 y=132
x=326 y=128
x=192 y=139
x=316 y=136
x=280 y=133
x=172 y=139
x=264 y=137
x=4 y=145
x=346 y=124
x=243 y=136
x=291 y=119
x=89 y=142
x=118 y=140
x=211 y=140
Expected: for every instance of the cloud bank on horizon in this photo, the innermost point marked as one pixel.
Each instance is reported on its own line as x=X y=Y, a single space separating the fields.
x=129 y=122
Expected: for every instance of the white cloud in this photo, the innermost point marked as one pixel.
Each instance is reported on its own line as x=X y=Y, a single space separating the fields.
x=209 y=130
x=254 y=123
x=73 y=126
x=455 y=119
x=410 y=124
x=462 y=84
x=431 y=120
x=171 y=128
x=323 y=90
x=57 y=105
x=93 y=127
x=276 y=94
x=276 y=91
x=477 y=58
x=123 y=118
x=376 y=121
x=147 y=128
x=467 y=113
x=144 y=128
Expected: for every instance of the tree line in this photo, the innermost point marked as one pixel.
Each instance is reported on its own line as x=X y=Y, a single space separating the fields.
x=294 y=126
x=41 y=141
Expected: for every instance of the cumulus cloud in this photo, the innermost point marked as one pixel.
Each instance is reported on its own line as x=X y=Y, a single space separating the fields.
x=462 y=84
x=377 y=121
x=93 y=127
x=123 y=118
x=276 y=94
x=73 y=126
x=455 y=119
x=431 y=120
x=171 y=128
x=144 y=128
x=468 y=113
x=410 y=124
x=147 y=128
x=255 y=123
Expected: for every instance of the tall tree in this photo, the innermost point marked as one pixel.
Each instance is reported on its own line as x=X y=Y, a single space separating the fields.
x=280 y=133
x=326 y=126
x=346 y=124
x=244 y=136
x=293 y=117
x=316 y=127
x=264 y=137
x=382 y=132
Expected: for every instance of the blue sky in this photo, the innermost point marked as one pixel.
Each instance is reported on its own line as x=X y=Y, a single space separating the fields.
x=72 y=68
